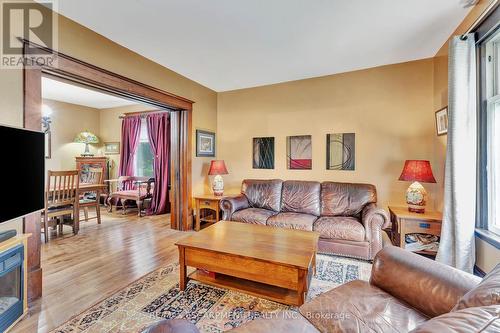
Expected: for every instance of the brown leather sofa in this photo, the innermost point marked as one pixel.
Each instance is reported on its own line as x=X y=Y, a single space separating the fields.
x=345 y=215
x=406 y=293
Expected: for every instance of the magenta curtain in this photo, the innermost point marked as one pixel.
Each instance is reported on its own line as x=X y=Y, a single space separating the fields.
x=131 y=128
x=159 y=138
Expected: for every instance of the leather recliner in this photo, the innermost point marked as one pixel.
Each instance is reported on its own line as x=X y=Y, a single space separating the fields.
x=406 y=293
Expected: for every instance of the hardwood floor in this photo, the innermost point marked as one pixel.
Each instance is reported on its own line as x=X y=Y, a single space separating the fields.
x=80 y=270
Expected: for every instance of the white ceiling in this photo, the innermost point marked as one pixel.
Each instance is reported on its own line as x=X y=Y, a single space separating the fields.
x=232 y=44
x=65 y=92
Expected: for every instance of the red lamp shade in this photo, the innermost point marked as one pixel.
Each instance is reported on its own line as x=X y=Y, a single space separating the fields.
x=417 y=170
x=217 y=167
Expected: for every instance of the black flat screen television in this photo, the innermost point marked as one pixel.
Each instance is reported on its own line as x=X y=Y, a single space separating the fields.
x=22 y=170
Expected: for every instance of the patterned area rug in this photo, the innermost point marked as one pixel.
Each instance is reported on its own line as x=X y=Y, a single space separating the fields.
x=156 y=296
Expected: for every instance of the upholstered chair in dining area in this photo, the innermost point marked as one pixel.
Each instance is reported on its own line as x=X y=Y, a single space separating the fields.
x=130 y=188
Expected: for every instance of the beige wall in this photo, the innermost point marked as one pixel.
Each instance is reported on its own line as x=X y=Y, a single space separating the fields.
x=67 y=121
x=84 y=44
x=487 y=256
x=387 y=107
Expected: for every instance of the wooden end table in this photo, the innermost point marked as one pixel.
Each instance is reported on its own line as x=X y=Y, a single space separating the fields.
x=207 y=202
x=272 y=263
x=405 y=222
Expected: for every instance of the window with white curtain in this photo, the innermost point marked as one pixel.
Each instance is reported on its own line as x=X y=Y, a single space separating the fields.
x=143 y=159
x=492 y=87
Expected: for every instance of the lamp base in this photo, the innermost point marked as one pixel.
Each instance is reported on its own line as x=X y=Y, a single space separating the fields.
x=416 y=198
x=87 y=153
x=218 y=186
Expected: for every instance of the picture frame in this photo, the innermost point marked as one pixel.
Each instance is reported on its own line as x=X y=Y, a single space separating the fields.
x=299 y=152
x=111 y=148
x=263 y=153
x=341 y=151
x=442 y=121
x=205 y=143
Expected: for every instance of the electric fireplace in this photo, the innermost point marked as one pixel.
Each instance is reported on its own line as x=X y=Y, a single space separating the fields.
x=11 y=286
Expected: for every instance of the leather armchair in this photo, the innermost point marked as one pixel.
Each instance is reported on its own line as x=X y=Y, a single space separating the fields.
x=406 y=293
x=172 y=326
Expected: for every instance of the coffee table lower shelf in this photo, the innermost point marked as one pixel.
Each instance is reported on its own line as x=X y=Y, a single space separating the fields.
x=273 y=293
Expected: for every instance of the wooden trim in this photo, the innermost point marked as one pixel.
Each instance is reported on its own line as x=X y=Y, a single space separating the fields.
x=186 y=167
x=174 y=175
x=140 y=113
x=32 y=119
x=71 y=69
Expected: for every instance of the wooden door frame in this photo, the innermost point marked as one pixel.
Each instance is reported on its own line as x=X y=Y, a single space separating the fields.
x=69 y=68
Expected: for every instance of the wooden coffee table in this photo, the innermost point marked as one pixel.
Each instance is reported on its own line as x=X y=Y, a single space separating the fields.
x=272 y=263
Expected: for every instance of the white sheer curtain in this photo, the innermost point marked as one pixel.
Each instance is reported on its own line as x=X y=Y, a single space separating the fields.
x=457 y=246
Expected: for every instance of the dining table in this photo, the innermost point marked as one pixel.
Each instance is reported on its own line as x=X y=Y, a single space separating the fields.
x=82 y=189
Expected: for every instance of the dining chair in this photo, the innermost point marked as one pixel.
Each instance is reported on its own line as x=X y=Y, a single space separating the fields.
x=61 y=198
x=93 y=176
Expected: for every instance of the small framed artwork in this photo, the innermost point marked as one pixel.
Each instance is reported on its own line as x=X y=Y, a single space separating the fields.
x=340 y=151
x=299 y=152
x=205 y=144
x=442 y=121
x=263 y=153
x=111 y=148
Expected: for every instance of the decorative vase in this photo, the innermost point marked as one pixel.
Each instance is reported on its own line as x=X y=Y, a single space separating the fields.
x=218 y=186
x=416 y=198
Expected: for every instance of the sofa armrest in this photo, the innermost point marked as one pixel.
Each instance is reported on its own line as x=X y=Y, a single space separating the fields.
x=374 y=219
x=429 y=286
x=230 y=205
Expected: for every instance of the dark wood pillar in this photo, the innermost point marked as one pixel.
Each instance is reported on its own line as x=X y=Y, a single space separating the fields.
x=31 y=224
x=181 y=214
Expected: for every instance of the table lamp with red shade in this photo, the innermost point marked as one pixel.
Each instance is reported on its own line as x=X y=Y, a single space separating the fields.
x=417 y=171
x=218 y=168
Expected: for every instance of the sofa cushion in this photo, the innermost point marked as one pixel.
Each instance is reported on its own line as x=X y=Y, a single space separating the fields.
x=359 y=307
x=301 y=197
x=292 y=221
x=487 y=292
x=252 y=215
x=340 y=227
x=485 y=319
x=263 y=193
x=345 y=199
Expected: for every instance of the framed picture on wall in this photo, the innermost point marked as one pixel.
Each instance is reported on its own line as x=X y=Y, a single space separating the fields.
x=340 y=151
x=442 y=121
x=205 y=144
x=111 y=148
x=299 y=152
x=263 y=153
